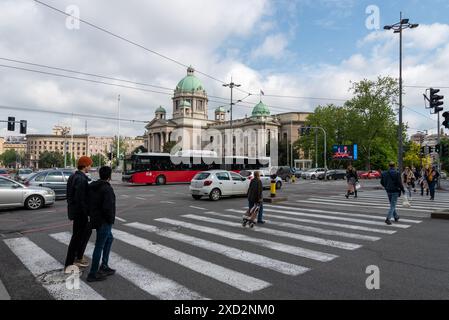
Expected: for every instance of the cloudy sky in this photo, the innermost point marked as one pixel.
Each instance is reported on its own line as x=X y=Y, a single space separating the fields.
x=301 y=48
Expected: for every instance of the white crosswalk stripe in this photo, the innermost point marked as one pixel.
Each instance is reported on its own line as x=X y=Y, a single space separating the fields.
x=282 y=247
x=38 y=262
x=151 y=282
x=230 y=277
x=310 y=239
x=230 y=252
x=308 y=228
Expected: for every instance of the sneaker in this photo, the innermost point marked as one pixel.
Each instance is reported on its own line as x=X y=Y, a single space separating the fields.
x=387 y=221
x=431 y=199
x=396 y=219
x=106 y=271
x=347 y=196
x=261 y=222
x=96 y=277
x=81 y=263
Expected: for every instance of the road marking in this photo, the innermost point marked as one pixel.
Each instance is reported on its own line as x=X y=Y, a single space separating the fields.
x=120 y=219
x=151 y=282
x=139 y=198
x=230 y=252
x=297 y=251
x=321 y=216
x=415 y=199
x=199 y=208
x=308 y=228
x=343 y=203
x=338 y=213
x=169 y=202
x=39 y=262
x=124 y=196
x=230 y=277
x=279 y=233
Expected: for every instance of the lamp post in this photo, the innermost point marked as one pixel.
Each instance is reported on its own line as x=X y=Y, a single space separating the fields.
x=397 y=28
x=231 y=85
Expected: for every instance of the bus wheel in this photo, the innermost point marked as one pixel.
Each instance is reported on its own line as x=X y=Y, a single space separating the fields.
x=196 y=197
x=215 y=195
x=160 y=180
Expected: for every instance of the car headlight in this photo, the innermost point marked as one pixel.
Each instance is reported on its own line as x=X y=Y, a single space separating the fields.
x=49 y=192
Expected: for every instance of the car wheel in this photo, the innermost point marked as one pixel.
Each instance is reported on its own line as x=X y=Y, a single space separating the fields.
x=287 y=179
x=34 y=202
x=278 y=185
x=160 y=180
x=312 y=177
x=335 y=178
x=215 y=194
x=196 y=197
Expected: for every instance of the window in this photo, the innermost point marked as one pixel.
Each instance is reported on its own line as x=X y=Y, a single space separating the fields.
x=222 y=176
x=54 y=177
x=236 y=177
x=40 y=177
x=67 y=174
x=6 y=183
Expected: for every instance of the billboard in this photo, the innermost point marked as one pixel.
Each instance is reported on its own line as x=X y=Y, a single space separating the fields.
x=344 y=152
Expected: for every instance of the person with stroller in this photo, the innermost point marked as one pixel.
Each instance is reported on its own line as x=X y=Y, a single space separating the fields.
x=352 y=179
x=255 y=196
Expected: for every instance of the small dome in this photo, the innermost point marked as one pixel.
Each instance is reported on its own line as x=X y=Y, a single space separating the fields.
x=220 y=109
x=185 y=104
x=189 y=83
x=260 y=109
x=160 y=110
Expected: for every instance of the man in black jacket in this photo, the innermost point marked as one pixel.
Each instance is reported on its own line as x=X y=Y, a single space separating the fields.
x=102 y=214
x=255 y=195
x=78 y=212
x=391 y=181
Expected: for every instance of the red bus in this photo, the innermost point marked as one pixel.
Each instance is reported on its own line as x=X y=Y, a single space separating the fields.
x=163 y=168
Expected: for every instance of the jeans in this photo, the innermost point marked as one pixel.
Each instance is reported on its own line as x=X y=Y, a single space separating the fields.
x=409 y=190
x=260 y=215
x=80 y=237
x=102 y=245
x=432 y=189
x=393 y=198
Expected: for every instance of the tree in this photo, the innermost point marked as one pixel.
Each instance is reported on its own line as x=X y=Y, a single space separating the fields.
x=9 y=157
x=51 y=159
x=168 y=146
x=98 y=160
x=444 y=158
x=412 y=156
x=123 y=147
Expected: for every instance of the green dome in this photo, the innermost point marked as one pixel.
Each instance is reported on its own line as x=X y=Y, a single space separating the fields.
x=161 y=109
x=189 y=83
x=220 y=109
x=185 y=104
x=261 y=109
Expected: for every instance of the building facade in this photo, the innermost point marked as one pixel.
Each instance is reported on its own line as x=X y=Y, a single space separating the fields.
x=191 y=128
x=100 y=145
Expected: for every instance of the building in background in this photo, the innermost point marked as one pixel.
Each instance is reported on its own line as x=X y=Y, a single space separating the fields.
x=100 y=145
x=2 y=140
x=133 y=143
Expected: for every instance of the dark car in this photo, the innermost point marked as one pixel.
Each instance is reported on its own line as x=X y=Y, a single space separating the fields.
x=297 y=172
x=55 y=179
x=336 y=174
x=284 y=172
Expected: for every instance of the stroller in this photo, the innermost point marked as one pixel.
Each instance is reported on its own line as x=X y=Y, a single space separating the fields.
x=250 y=216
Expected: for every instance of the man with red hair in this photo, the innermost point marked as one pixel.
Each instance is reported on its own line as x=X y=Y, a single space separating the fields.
x=78 y=212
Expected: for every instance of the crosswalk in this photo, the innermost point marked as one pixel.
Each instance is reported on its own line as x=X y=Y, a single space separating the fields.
x=182 y=257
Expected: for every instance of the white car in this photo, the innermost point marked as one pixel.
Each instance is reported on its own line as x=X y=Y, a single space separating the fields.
x=265 y=177
x=218 y=183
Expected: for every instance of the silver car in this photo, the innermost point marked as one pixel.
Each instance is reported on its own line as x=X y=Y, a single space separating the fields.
x=14 y=194
x=23 y=174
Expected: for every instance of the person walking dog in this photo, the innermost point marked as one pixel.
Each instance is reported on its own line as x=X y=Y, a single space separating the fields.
x=391 y=181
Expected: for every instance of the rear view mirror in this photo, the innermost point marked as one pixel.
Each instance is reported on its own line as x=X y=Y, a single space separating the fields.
x=15 y=186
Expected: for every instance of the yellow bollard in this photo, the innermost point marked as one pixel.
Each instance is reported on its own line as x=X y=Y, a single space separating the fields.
x=293 y=178
x=273 y=189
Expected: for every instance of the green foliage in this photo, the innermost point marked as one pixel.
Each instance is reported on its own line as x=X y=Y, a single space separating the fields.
x=368 y=120
x=412 y=156
x=168 y=146
x=51 y=159
x=98 y=160
x=9 y=157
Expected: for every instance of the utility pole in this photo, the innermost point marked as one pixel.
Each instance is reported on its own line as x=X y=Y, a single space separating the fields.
x=71 y=148
x=118 y=137
x=231 y=85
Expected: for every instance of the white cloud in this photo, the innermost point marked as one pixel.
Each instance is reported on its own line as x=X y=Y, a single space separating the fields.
x=273 y=46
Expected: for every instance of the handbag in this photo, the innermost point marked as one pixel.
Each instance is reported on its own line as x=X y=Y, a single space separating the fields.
x=357 y=186
x=406 y=203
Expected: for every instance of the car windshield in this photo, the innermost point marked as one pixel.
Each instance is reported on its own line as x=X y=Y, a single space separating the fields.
x=201 y=176
x=25 y=171
x=3 y=171
x=311 y=170
x=246 y=173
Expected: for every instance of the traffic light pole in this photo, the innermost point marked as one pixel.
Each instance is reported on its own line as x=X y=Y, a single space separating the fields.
x=325 y=144
x=439 y=151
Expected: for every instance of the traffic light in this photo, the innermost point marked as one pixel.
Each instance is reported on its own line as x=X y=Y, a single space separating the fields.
x=435 y=100
x=437 y=149
x=422 y=153
x=23 y=127
x=305 y=130
x=11 y=123
x=110 y=155
x=446 y=119
x=430 y=150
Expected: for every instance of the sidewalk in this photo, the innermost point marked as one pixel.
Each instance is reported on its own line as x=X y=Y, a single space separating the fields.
x=3 y=293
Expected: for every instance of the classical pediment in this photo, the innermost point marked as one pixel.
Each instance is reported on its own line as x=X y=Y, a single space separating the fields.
x=158 y=123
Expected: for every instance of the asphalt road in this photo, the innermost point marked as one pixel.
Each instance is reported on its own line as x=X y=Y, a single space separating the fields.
x=316 y=245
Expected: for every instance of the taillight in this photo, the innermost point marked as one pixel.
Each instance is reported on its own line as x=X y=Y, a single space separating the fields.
x=27 y=183
x=250 y=177
x=207 y=183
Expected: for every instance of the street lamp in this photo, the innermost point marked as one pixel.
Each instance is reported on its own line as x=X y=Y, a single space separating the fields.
x=397 y=28
x=231 y=85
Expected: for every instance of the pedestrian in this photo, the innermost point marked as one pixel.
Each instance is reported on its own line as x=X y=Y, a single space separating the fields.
x=255 y=195
x=423 y=181
x=432 y=176
x=352 y=179
x=102 y=215
x=416 y=175
x=408 y=180
x=391 y=181
x=78 y=212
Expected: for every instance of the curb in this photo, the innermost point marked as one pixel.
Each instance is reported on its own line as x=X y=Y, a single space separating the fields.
x=4 y=295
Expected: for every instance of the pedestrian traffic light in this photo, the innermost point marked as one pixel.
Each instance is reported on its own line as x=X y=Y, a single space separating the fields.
x=110 y=155
x=435 y=100
x=11 y=123
x=23 y=127
x=446 y=119
x=437 y=149
x=430 y=150
x=422 y=153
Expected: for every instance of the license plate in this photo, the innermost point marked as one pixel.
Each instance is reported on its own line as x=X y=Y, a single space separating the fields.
x=195 y=192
